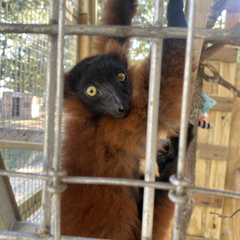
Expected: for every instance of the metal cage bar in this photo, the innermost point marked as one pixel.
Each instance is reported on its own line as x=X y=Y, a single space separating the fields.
x=179 y=181
x=58 y=121
x=123 y=182
x=57 y=31
x=152 y=125
x=49 y=119
x=122 y=31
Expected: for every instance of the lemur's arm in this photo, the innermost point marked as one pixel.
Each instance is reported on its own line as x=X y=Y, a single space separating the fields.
x=164 y=208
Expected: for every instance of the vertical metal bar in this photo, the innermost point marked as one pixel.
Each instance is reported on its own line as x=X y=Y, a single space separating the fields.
x=6 y=12
x=59 y=100
x=184 y=114
x=152 y=125
x=10 y=74
x=186 y=89
x=49 y=118
x=0 y=10
x=59 y=97
x=29 y=68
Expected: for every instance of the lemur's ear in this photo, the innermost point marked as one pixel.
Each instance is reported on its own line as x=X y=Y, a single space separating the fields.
x=68 y=91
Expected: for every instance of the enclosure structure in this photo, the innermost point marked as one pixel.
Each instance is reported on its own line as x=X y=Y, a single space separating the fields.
x=22 y=96
x=218 y=159
x=22 y=105
x=54 y=179
x=217 y=163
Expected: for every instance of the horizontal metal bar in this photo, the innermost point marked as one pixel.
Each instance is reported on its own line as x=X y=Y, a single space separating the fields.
x=156 y=185
x=6 y=235
x=122 y=31
x=124 y=182
x=214 y=192
x=117 y=181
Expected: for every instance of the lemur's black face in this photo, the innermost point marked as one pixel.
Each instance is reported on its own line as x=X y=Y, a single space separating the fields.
x=102 y=84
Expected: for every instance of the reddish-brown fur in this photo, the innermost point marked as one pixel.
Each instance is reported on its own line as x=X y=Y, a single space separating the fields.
x=112 y=147
x=163 y=217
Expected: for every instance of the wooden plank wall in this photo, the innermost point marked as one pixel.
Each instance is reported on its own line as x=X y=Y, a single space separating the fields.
x=230 y=226
x=218 y=157
x=218 y=164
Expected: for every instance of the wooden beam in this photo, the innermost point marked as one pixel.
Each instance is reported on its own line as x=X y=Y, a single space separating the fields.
x=226 y=54
x=21 y=139
x=237 y=180
x=30 y=204
x=209 y=151
x=198 y=238
x=8 y=206
x=208 y=201
x=21 y=145
x=224 y=104
x=25 y=227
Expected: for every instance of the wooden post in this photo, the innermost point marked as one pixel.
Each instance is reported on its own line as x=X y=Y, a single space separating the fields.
x=88 y=15
x=201 y=21
x=93 y=19
x=83 y=39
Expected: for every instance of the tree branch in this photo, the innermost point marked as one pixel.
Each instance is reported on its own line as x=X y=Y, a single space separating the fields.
x=208 y=52
x=190 y=164
x=227 y=216
x=217 y=45
x=217 y=6
x=216 y=78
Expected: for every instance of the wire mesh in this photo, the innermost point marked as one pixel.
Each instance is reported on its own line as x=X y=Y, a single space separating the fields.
x=23 y=64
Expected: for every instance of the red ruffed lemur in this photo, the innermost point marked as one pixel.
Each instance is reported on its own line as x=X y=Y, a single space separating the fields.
x=105 y=100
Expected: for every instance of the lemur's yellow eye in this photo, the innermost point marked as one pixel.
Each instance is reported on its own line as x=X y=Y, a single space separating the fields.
x=91 y=91
x=121 y=77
